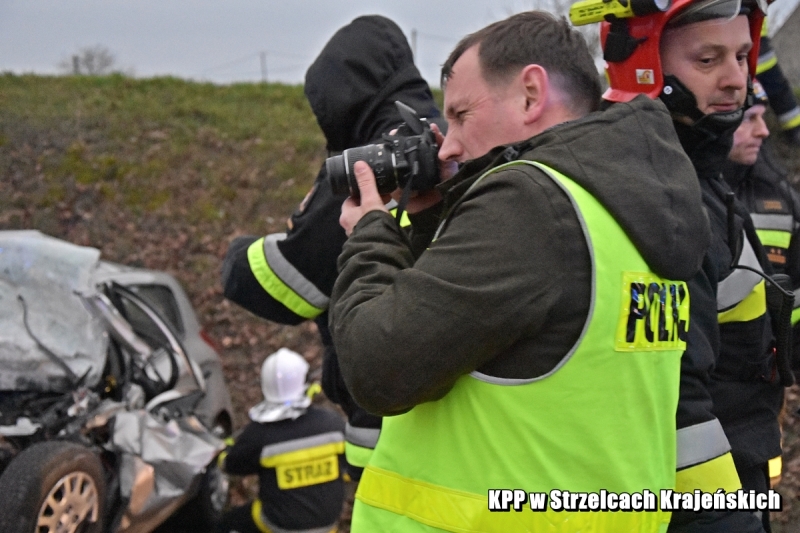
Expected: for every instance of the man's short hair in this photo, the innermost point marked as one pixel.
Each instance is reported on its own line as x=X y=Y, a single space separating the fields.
x=534 y=37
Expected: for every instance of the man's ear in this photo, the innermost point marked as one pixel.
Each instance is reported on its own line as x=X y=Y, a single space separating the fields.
x=536 y=86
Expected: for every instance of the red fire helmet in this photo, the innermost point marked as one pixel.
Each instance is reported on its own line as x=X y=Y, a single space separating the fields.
x=631 y=47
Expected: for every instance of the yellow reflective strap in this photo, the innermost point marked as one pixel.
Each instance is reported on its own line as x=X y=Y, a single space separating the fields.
x=752 y=307
x=463 y=512
x=718 y=473
x=276 y=288
x=306 y=454
x=764 y=28
x=772 y=237
x=775 y=466
x=255 y=513
x=357 y=455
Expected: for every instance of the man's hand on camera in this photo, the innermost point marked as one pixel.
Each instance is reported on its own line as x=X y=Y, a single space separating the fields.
x=354 y=209
x=419 y=201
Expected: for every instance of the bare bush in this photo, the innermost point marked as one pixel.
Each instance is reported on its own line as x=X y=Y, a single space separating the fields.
x=90 y=61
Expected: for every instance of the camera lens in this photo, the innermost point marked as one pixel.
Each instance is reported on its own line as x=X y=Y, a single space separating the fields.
x=337 y=174
x=378 y=156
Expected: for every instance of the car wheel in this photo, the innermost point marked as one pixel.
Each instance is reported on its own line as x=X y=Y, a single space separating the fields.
x=53 y=487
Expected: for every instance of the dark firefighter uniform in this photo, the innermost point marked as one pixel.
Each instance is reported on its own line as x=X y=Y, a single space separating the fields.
x=299 y=463
x=288 y=277
x=774 y=207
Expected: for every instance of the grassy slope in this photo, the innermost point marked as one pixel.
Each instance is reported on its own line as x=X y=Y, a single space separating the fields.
x=163 y=173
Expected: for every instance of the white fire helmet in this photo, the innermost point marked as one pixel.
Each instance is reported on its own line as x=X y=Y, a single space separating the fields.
x=283 y=376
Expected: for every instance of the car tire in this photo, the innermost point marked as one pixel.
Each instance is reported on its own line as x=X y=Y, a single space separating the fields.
x=52 y=485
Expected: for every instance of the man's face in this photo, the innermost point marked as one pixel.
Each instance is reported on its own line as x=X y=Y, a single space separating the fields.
x=748 y=136
x=479 y=116
x=710 y=59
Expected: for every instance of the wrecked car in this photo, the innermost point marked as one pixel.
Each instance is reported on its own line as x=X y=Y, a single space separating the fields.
x=113 y=406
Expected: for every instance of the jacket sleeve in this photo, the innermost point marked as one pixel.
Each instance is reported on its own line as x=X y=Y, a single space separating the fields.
x=242 y=459
x=288 y=277
x=405 y=331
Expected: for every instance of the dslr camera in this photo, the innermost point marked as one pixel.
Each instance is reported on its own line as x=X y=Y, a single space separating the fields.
x=409 y=155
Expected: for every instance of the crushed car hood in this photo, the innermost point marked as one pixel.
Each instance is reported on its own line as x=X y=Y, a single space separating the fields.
x=48 y=338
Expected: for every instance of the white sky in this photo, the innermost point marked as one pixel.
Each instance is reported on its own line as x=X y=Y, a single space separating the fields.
x=221 y=41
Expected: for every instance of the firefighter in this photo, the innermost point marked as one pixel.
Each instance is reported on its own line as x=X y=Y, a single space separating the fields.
x=759 y=179
x=287 y=277
x=296 y=449
x=698 y=66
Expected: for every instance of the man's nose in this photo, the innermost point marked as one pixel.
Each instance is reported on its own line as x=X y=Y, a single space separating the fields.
x=760 y=129
x=734 y=76
x=450 y=150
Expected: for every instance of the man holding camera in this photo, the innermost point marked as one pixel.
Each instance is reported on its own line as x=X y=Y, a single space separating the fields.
x=536 y=343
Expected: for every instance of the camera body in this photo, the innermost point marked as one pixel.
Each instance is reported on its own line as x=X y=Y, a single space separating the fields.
x=409 y=155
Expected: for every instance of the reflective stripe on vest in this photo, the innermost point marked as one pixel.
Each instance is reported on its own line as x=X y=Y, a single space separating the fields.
x=265 y=526
x=359 y=443
x=605 y=420
x=742 y=296
x=305 y=461
x=282 y=281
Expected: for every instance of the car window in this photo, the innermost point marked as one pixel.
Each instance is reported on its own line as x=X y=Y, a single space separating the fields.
x=163 y=301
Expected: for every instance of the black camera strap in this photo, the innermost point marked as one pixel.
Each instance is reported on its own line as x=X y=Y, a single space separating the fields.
x=401 y=205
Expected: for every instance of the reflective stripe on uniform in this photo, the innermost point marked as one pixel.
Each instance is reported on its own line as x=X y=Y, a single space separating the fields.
x=265 y=526
x=790 y=119
x=463 y=512
x=740 y=283
x=366 y=437
x=719 y=473
x=773 y=222
x=357 y=455
x=796 y=308
x=752 y=307
x=766 y=62
x=282 y=281
x=359 y=444
x=304 y=462
x=701 y=442
x=775 y=466
x=301 y=449
x=776 y=238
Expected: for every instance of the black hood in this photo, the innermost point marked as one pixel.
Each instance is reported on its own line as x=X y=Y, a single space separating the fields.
x=353 y=83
